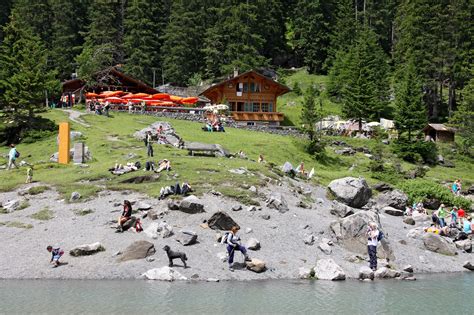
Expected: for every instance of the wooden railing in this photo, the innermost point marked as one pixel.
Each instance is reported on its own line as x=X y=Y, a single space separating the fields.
x=257 y=116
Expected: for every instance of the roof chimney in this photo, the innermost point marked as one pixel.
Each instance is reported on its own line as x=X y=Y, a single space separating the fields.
x=236 y=72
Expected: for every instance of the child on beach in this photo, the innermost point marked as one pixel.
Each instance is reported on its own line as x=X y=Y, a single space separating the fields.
x=56 y=254
x=29 y=174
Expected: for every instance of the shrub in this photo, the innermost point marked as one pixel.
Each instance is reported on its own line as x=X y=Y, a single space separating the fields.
x=296 y=89
x=317 y=148
x=415 y=152
x=419 y=189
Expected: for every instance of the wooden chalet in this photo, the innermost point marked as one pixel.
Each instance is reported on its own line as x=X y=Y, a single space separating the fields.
x=110 y=79
x=439 y=133
x=251 y=96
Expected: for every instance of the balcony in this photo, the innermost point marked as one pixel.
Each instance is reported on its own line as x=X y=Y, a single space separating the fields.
x=257 y=116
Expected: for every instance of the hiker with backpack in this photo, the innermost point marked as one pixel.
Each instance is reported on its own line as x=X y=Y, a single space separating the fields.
x=12 y=156
x=233 y=244
x=374 y=236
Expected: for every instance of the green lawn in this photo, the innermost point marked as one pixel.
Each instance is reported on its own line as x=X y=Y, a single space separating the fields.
x=203 y=173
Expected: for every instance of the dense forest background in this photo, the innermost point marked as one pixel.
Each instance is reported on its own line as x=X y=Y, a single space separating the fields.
x=414 y=53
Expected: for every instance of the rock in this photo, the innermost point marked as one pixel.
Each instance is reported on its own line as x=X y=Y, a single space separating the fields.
x=386 y=273
x=75 y=196
x=221 y=221
x=327 y=269
x=222 y=256
x=409 y=221
x=440 y=159
x=382 y=187
x=164 y=274
x=393 y=211
x=156 y=229
x=192 y=205
x=403 y=242
x=309 y=239
x=137 y=250
x=238 y=171
x=302 y=204
x=256 y=265
x=237 y=208
x=278 y=202
x=265 y=216
x=253 y=189
x=212 y=280
x=187 y=238
x=408 y=268
x=439 y=244
x=366 y=273
x=173 y=205
x=153 y=215
x=251 y=208
x=341 y=210
x=465 y=245
x=325 y=248
x=129 y=224
x=395 y=199
x=351 y=191
x=11 y=205
x=416 y=233
x=86 y=249
x=345 y=151
x=305 y=273
x=150 y=259
x=248 y=230
x=253 y=244
x=327 y=241
x=142 y=206
x=431 y=203
x=468 y=266
x=420 y=217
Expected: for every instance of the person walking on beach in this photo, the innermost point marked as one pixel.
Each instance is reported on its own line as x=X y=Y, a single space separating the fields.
x=373 y=239
x=12 y=156
x=233 y=244
x=56 y=254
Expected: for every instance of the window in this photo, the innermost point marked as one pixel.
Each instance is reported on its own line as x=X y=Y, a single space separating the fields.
x=239 y=87
x=254 y=87
x=246 y=87
x=265 y=107
x=247 y=107
x=270 y=107
x=255 y=107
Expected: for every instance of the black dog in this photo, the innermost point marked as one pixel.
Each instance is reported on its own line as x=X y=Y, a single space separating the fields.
x=172 y=255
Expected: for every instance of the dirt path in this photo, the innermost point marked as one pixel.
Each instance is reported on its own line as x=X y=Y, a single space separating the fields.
x=75 y=116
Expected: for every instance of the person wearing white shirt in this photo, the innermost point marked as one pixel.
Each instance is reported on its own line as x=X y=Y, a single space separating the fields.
x=372 y=242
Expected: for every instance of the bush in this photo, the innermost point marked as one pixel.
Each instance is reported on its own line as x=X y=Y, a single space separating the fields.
x=296 y=89
x=415 y=152
x=317 y=148
x=419 y=189
x=26 y=129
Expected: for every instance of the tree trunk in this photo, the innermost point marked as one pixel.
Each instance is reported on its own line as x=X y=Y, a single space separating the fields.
x=360 y=125
x=451 y=98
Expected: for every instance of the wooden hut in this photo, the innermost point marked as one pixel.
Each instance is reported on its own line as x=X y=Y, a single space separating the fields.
x=251 y=96
x=438 y=132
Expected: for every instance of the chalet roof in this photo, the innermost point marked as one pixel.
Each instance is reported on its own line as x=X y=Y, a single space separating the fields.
x=438 y=127
x=107 y=75
x=284 y=88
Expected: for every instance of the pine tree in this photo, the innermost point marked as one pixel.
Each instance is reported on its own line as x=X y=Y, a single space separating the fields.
x=5 y=8
x=463 y=119
x=309 y=113
x=103 y=42
x=35 y=14
x=24 y=75
x=363 y=78
x=410 y=113
x=144 y=22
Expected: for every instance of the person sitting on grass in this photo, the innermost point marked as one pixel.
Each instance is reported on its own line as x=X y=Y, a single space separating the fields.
x=233 y=244
x=56 y=254
x=164 y=165
x=300 y=170
x=261 y=159
x=126 y=215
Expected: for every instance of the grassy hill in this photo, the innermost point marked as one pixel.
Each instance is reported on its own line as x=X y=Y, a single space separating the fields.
x=111 y=139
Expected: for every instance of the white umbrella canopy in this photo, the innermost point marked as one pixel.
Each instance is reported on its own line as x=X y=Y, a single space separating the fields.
x=215 y=108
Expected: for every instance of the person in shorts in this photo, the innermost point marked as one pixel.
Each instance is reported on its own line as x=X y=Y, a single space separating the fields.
x=56 y=254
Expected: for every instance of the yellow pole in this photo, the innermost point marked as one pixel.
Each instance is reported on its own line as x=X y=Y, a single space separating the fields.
x=64 y=142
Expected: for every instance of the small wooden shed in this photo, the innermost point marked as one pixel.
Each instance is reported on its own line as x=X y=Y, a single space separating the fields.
x=439 y=132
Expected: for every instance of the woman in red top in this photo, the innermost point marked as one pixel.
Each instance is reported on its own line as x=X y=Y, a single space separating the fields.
x=461 y=215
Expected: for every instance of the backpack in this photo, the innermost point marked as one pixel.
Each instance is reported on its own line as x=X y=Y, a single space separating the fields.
x=17 y=154
x=225 y=237
x=381 y=236
x=138 y=226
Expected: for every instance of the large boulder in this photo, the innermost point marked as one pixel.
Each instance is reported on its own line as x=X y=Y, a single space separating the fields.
x=420 y=217
x=395 y=198
x=129 y=223
x=253 y=244
x=409 y=221
x=439 y=244
x=305 y=273
x=468 y=266
x=327 y=269
x=137 y=250
x=86 y=249
x=465 y=245
x=351 y=191
x=366 y=273
x=278 y=202
x=164 y=274
x=142 y=206
x=256 y=265
x=386 y=273
x=156 y=229
x=392 y=211
x=192 y=205
x=382 y=187
x=341 y=210
x=416 y=233
x=187 y=238
x=11 y=205
x=221 y=221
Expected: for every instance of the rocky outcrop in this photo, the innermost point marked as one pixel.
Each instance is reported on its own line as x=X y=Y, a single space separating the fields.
x=277 y=202
x=327 y=269
x=382 y=187
x=187 y=238
x=341 y=210
x=137 y=250
x=439 y=244
x=164 y=274
x=192 y=205
x=420 y=217
x=386 y=273
x=392 y=211
x=167 y=132
x=351 y=191
x=416 y=233
x=156 y=229
x=87 y=249
x=142 y=206
x=256 y=265
x=366 y=273
x=221 y=221
x=253 y=244
x=395 y=199
x=465 y=245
